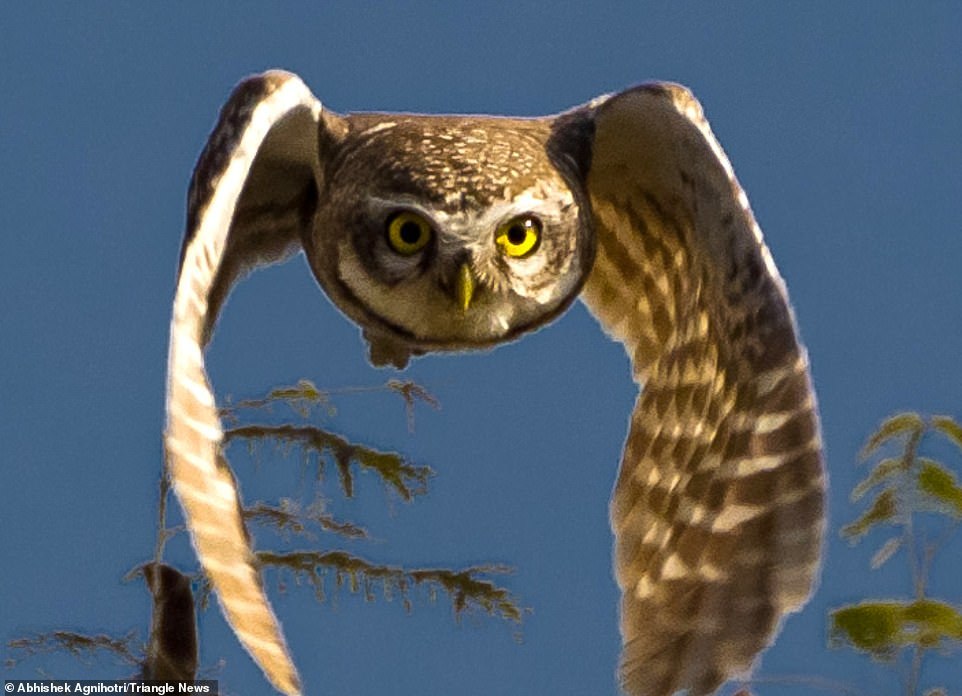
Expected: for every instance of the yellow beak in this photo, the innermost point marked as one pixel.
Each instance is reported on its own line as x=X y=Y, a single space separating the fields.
x=465 y=287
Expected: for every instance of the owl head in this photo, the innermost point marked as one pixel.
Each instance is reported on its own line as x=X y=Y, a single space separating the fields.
x=441 y=233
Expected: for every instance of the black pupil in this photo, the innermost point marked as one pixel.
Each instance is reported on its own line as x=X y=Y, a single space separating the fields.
x=410 y=232
x=517 y=234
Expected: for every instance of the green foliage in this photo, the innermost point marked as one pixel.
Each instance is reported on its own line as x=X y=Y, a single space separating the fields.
x=883 y=509
x=908 y=424
x=287 y=517
x=882 y=628
x=949 y=428
x=909 y=486
x=469 y=589
x=127 y=649
x=884 y=471
x=941 y=488
x=406 y=479
x=304 y=397
x=909 y=483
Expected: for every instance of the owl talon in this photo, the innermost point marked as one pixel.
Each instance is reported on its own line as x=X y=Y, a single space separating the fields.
x=384 y=351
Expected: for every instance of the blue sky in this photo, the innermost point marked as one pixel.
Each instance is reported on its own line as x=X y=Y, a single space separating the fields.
x=842 y=122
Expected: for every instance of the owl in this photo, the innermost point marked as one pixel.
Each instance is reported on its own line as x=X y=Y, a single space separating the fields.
x=455 y=233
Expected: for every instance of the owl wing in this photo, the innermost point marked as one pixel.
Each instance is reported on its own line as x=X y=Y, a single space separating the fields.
x=718 y=507
x=252 y=191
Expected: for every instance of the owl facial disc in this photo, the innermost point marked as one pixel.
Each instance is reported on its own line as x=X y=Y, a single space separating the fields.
x=436 y=235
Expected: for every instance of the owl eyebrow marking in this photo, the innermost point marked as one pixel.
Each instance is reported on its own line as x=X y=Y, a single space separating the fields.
x=387 y=125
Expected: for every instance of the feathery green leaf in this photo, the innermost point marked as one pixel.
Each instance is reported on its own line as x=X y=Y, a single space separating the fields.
x=467 y=588
x=883 y=509
x=941 y=487
x=883 y=471
x=896 y=425
x=407 y=479
x=872 y=627
x=127 y=649
x=948 y=427
x=883 y=628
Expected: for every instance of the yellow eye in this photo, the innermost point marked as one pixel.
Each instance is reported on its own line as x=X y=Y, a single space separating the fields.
x=519 y=236
x=408 y=233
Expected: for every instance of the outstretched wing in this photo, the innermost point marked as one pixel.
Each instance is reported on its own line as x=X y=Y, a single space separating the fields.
x=718 y=508
x=253 y=190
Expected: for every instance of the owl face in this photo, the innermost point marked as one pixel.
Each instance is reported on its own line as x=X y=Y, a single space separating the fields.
x=437 y=233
